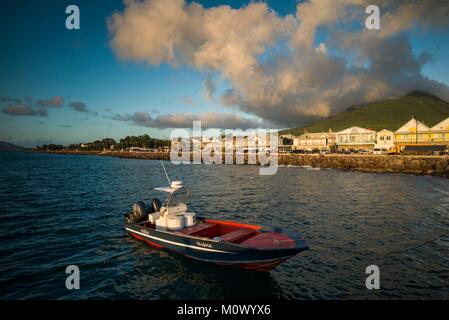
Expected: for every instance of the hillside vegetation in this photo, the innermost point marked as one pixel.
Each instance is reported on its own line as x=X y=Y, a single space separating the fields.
x=389 y=114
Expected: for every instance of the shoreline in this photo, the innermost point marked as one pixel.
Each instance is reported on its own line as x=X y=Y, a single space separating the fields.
x=407 y=164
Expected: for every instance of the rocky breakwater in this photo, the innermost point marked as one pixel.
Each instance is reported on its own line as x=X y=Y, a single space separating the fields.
x=117 y=154
x=137 y=155
x=419 y=165
x=428 y=165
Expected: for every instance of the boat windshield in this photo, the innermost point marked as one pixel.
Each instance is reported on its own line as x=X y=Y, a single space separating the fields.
x=178 y=197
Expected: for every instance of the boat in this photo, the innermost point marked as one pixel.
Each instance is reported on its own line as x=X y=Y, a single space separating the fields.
x=169 y=225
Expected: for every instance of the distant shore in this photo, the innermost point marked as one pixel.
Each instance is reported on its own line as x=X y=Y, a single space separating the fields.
x=418 y=165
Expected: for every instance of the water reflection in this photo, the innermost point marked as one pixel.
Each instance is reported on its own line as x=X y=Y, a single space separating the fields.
x=58 y=210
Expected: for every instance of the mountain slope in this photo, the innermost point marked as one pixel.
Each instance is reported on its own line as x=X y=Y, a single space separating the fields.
x=389 y=114
x=5 y=146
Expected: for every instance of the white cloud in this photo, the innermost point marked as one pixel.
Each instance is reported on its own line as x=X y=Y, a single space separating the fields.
x=304 y=82
x=185 y=120
x=55 y=102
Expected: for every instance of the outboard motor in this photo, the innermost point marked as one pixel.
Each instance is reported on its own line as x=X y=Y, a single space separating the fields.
x=155 y=205
x=140 y=211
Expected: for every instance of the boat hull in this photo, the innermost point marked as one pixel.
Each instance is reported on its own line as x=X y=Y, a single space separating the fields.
x=222 y=253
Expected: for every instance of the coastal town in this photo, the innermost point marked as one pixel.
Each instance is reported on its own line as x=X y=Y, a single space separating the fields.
x=414 y=148
x=413 y=137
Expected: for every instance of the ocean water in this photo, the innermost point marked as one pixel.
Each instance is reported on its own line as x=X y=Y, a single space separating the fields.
x=60 y=210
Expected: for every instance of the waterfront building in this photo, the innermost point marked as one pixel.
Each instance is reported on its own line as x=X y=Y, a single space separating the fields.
x=182 y=143
x=323 y=141
x=254 y=143
x=196 y=144
x=384 y=140
x=413 y=132
x=439 y=133
x=212 y=143
x=356 y=138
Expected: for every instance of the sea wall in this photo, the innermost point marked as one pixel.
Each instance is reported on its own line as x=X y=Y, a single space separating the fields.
x=419 y=165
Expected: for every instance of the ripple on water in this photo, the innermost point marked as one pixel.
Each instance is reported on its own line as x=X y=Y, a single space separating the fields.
x=58 y=210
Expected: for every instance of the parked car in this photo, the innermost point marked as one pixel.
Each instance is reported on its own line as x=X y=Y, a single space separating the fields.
x=380 y=151
x=365 y=151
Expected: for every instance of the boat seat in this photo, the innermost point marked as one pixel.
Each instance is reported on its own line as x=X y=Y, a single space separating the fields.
x=237 y=235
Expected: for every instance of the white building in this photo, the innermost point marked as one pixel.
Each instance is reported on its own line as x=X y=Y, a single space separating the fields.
x=255 y=143
x=384 y=140
x=356 y=138
x=314 y=141
x=440 y=132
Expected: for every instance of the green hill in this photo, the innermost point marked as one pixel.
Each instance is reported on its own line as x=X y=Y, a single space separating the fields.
x=389 y=114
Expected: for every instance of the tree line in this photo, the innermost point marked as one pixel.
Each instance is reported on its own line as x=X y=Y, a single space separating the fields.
x=143 y=141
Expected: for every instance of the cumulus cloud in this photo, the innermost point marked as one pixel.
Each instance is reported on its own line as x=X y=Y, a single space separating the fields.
x=55 y=102
x=81 y=107
x=19 y=109
x=25 y=107
x=40 y=107
x=78 y=106
x=185 y=120
x=307 y=80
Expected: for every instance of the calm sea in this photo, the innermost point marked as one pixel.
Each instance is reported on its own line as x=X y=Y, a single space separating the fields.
x=58 y=210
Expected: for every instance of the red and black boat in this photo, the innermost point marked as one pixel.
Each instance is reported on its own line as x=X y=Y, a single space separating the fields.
x=171 y=226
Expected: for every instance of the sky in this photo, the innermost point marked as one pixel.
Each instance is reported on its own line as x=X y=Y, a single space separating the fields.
x=148 y=67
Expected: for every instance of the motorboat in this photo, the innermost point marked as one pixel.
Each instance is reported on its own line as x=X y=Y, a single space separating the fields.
x=170 y=225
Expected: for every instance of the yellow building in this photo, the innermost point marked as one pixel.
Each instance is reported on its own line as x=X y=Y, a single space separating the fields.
x=439 y=133
x=414 y=132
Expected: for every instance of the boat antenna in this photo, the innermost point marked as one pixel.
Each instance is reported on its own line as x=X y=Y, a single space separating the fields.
x=166 y=174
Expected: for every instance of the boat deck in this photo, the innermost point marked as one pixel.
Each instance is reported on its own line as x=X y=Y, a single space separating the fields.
x=239 y=234
x=231 y=232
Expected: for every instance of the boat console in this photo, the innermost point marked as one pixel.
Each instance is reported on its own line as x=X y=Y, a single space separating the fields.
x=171 y=215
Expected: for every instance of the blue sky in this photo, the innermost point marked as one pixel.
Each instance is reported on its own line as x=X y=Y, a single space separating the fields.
x=41 y=59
